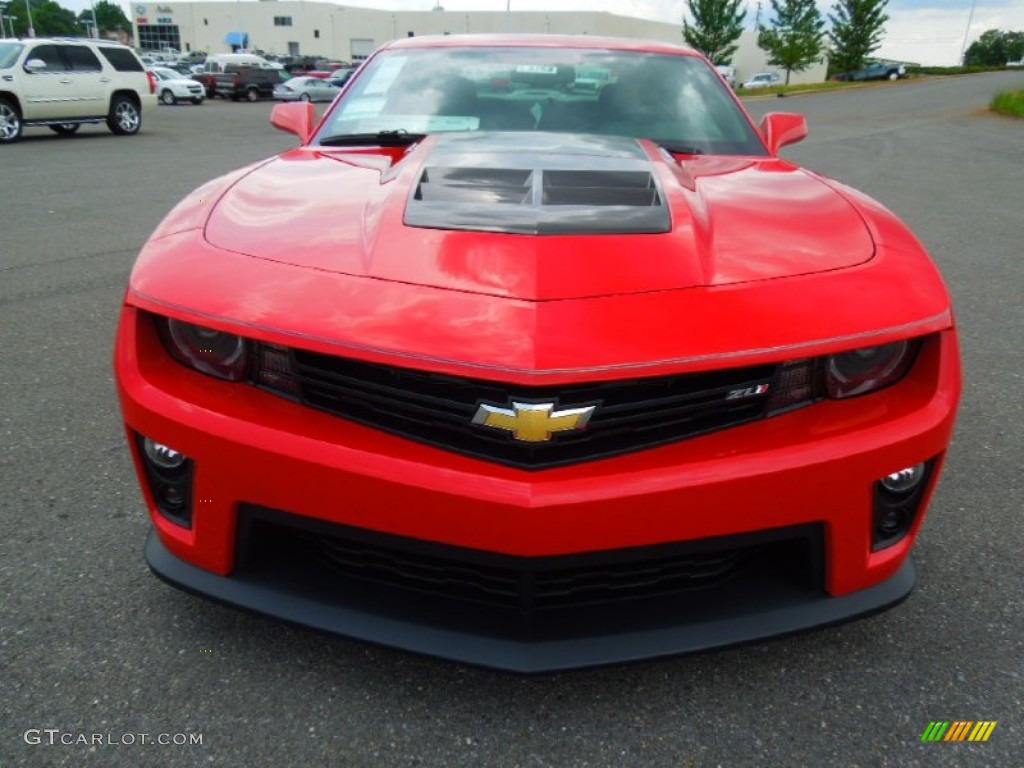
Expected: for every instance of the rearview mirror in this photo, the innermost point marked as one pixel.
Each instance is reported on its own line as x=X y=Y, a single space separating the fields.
x=297 y=118
x=782 y=128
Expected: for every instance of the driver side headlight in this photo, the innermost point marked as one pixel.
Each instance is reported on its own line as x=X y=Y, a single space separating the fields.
x=864 y=370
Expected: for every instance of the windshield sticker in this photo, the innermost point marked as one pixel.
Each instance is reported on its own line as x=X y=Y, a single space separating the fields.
x=537 y=69
x=408 y=123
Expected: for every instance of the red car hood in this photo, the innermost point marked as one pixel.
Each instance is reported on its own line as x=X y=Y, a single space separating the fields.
x=704 y=221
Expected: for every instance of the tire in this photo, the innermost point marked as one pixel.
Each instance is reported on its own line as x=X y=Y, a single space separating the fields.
x=197 y=101
x=894 y=75
x=10 y=122
x=124 y=118
x=168 y=98
x=252 y=94
x=304 y=97
x=65 y=129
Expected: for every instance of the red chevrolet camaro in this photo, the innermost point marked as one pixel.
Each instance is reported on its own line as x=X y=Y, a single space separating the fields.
x=535 y=355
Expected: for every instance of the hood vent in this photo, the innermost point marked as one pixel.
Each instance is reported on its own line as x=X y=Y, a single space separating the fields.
x=545 y=199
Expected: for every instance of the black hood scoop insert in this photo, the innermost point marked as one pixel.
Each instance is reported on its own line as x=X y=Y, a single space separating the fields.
x=538 y=184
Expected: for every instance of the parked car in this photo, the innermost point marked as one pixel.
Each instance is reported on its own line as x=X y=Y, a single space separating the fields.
x=873 y=71
x=341 y=76
x=224 y=63
x=172 y=86
x=537 y=378
x=249 y=83
x=306 y=89
x=65 y=83
x=761 y=80
x=727 y=73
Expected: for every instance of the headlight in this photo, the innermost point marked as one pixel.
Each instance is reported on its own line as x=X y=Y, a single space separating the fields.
x=214 y=353
x=864 y=370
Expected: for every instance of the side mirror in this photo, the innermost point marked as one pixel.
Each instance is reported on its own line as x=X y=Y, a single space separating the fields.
x=782 y=128
x=35 y=65
x=297 y=118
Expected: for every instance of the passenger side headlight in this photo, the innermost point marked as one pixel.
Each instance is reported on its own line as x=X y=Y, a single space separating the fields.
x=208 y=351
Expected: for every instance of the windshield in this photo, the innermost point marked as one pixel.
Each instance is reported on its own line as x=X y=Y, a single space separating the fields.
x=9 y=54
x=677 y=101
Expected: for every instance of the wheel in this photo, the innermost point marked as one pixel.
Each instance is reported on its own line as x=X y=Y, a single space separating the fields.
x=124 y=118
x=65 y=129
x=197 y=101
x=894 y=75
x=10 y=122
x=304 y=97
x=252 y=94
x=167 y=97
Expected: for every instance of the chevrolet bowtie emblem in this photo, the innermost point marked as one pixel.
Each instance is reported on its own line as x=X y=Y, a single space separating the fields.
x=532 y=422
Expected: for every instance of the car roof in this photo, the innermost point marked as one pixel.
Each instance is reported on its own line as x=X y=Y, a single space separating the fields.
x=76 y=40
x=540 y=41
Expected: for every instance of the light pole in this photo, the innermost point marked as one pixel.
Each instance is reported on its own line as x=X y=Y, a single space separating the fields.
x=28 y=10
x=3 y=29
x=967 y=32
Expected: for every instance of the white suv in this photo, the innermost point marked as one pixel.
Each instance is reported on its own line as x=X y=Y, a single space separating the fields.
x=65 y=83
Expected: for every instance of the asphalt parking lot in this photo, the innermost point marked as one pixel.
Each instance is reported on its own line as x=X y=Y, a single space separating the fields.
x=91 y=643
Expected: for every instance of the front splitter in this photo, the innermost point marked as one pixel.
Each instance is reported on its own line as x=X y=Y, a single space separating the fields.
x=727 y=623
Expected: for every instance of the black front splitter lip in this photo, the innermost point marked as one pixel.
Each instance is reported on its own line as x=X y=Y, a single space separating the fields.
x=530 y=655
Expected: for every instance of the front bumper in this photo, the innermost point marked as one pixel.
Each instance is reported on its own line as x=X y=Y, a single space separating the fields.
x=814 y=467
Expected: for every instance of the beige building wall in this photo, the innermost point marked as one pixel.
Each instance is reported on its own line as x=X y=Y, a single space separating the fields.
x=341 y=32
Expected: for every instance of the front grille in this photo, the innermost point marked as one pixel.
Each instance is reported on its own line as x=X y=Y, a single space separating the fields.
x=344 y=558
x=528 y=588
x=439 y=409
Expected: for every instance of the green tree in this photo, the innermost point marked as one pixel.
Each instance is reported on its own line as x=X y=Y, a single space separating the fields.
x=716 y=26
x=48 y=19
x=794 y=40
x=109 y=17
x=994 y=48
x=857 y=30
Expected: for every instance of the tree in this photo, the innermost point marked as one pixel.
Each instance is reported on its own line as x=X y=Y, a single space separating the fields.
x=109 y=18
x=994 y=48
x=48 y=19
x=794 y=40
x=717 y=25
x=857 y=30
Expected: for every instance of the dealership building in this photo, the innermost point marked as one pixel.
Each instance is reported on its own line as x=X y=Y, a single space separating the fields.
x=351 y=33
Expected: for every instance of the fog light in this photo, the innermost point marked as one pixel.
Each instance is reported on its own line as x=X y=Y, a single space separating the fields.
x=905 y=480
x=167 y=474
x=171 y=500
x=162 y=455
x=891 y=523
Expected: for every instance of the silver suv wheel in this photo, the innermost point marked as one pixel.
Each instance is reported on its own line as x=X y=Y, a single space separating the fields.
x=124 y=116
x=10 y=123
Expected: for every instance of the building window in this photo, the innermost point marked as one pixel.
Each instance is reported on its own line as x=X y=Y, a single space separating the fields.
x=316 y=33
x=282 y=21
x=206 y=22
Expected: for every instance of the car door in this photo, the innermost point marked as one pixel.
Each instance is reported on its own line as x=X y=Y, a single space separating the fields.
x=89 y=82
x=323 y=91
x=47 y=91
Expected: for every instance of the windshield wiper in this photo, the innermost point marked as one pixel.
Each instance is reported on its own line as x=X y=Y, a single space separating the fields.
x=679 y=149
x=397 y=138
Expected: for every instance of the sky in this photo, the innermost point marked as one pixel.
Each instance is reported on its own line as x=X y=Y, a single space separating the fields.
x=929 y=32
